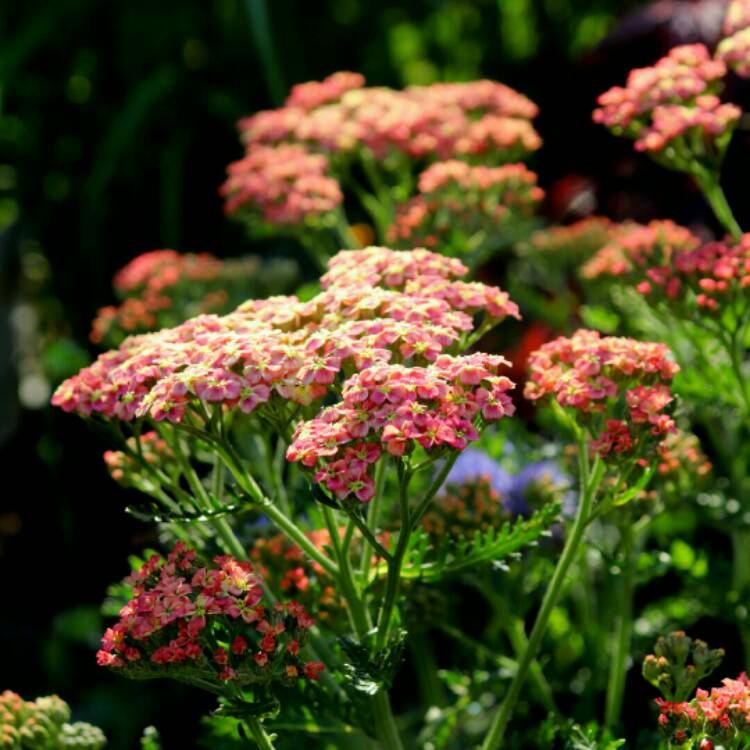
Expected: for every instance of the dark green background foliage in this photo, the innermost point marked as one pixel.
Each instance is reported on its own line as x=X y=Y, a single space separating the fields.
x=117 y=120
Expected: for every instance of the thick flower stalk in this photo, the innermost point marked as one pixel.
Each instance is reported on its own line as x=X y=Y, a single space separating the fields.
x=44 y=724
x=163 y=287
x=673 y=112
x=207 y=625
x=465 y=210
x=592 y=382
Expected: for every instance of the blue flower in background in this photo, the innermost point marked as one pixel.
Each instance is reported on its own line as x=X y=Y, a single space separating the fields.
x=473 y=464
x=514 y=489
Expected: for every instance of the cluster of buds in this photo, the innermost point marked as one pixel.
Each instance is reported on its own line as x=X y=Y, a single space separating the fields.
x=163 y=287
x=669 y=107
x=271 y=354
x=599 y=381
x=568 y=245
x=282 y=185
x=207 y=626
x=709 y=720
x=391 y=409
x=463 y=208
x=339 y=116
x=679 y=663
x=43 y=724
x=734 y=49
x=465 y=509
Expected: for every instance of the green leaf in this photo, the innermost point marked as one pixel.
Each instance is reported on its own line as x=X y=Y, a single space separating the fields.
x=370 y=673
x=493 y=546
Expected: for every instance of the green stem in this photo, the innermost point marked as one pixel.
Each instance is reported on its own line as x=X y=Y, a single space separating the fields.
x=395 y=563
x=714 y=194
x=286 y=524
x=373 y=516
x=494 y=738
x=385 y=722
x=520 y=643
x=621 y=646
x=260 y=735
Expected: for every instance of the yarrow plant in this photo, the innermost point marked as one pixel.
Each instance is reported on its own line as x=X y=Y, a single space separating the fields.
x=162 y=288
x=334 y=470
x=337 y=138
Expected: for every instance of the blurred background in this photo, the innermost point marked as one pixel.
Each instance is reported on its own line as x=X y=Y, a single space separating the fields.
x=116 y=123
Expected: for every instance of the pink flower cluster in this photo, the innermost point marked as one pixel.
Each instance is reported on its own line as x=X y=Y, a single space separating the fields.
x=206 y=624
x=678 y=269
x=457 y=201
x=282 y=185
x=391 y=409
x=481 y=118
x=162 y=287
x=673 y=98
x=720 y=716
x=282 y=350
x=590 y=374
x=734 y=49
x=314 y=94
x=635 y=246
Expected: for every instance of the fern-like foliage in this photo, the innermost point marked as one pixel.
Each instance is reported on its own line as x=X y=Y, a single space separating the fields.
x=428 y=563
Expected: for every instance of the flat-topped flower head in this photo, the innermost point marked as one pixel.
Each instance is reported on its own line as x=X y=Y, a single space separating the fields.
x=734 y=49
x=634 y=247
x=616 y=388
x=161 y=288
x=392 y=409
x=340 y=117
x=282 y=185
x=314 y=94
x=687 y=275
x=673 y=105
x=206 y=625
x=271 y=354
x=460 y=206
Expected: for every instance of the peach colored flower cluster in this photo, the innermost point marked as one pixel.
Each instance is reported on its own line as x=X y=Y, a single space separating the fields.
x=206 y=624
x=669 y=263
x=161 y=285
x=392 y=408
x=734 y=49
x=280 y=351
x=591 y=374
x=457 y=200
x=673 y=98
x=446 y=120
x=282 y=185
x=637 y=246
